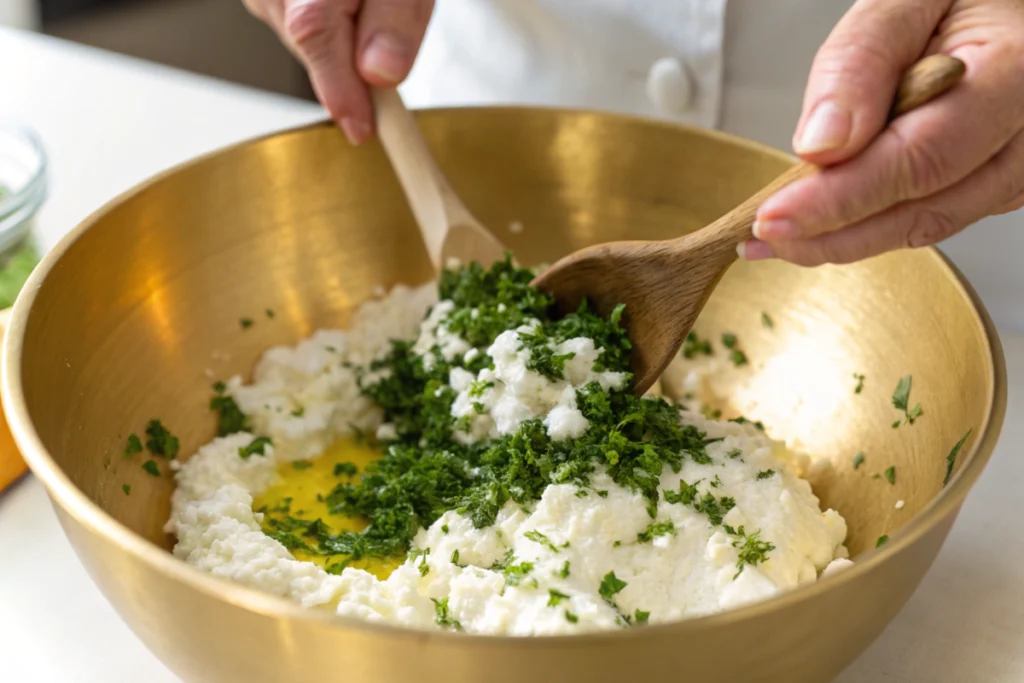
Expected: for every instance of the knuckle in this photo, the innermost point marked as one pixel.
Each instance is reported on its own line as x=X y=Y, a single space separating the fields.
x=929 y=226
x=852 y=63
x=307 y=23
x=921 y=170
x=806 y=254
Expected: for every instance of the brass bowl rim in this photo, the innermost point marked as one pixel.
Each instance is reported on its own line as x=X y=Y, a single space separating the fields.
x=74 y=502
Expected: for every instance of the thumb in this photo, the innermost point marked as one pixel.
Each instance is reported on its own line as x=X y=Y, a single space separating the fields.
x=855 y=73
x=389 y=36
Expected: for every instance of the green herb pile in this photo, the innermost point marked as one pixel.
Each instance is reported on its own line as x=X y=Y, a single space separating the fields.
x=425 y=472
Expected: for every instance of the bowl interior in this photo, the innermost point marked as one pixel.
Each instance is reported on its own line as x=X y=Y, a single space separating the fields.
x=141 y=311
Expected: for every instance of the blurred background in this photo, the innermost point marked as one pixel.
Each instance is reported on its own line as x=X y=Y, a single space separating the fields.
x=212 y=37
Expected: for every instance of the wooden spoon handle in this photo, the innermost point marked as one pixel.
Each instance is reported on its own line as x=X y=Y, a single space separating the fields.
x=434 y=204
x=923 y=82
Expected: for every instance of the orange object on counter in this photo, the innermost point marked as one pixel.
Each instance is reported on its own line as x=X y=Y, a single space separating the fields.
x=12 y=466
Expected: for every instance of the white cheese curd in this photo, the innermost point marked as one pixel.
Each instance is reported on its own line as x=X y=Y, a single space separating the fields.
x=576 y=560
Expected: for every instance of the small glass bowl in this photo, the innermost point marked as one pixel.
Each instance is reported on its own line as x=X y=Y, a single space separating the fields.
x=23 y=190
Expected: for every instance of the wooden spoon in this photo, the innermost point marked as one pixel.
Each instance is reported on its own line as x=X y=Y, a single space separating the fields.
x=665 y=284
x=449 y=230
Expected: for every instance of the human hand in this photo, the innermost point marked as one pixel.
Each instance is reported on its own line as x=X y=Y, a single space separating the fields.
x=933 y=171
x=347 y=46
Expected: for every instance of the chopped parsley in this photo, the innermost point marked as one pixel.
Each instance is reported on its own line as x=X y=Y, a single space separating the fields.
x=246 y=323
x=348 y=469
x=890 y=474
x=133 y=446
x=736 y=453
x=882 y=540
x=951 y=458
x=230 y=418
x=256 y=447
x=752 y=550
x=766 y=320
x=738 y=358
x=455 y=556
x=127 y=489
x=858 y=460
x=716 y=482
x=270 y=313
x=729 y=340
x=610 y=585
x=555 y=597
x=901 y=401
x=151 y=467
x=641 y=617
x=160 y=442
x=298 y=412
x=666 y=528
x=564 y=571
x=765 y=474
x=694 y=346
x=442 y=615
x=860 y=383
x=425 y=471
x=297 y=464
x=570 y=617
x=538 y=537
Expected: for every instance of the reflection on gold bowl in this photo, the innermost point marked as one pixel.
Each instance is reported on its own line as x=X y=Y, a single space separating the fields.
x=123 y=320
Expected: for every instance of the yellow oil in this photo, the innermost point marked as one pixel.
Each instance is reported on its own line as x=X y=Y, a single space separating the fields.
x=297 y=490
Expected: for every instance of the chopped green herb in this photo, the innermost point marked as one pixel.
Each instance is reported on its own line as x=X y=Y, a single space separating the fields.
x=127 y=489
x=738 y=358
x=444 y=529
x=538 y=537
x=442 y=614
x=610 y=585
x=564 y=572
x=901 y=401
x=161 y=442
x=298 y=412
x=890 y=474
x=347 y=469
x=555 y=597
x=752 y=550
x=729 y=340
x=641 y=616
x=133 y=446
x=666 y=528
x=860 y=383
x=716 y=482
x=694 y=346
x=230 y=418
x=742 y=420
x=736 y=453
x=767 y=321
x=256 y=447
x=570 y=617
x=270 y=313
x=246 y=323
x=455 y=556
x=858 y=460
x=765 y=474
x=951 y=458
x=151 y=467
x=876 y=475
x=882 y=540
x=301 y=464
x=602 y=494
x=896 y=424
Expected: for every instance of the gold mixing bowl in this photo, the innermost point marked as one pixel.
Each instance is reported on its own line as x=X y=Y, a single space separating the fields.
x=130 y=315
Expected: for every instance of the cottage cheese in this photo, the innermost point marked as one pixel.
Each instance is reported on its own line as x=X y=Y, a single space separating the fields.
x=572 y=539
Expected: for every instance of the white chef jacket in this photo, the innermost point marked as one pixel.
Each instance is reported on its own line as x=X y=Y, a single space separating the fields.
x=736 y=65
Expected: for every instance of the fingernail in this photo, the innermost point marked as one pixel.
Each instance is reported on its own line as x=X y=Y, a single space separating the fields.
x=355 y=130
x=828 y=128
x=754 y=250
x=385 y=57
x=775 y=229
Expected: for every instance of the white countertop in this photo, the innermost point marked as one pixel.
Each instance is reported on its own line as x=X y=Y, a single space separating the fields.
x=108 y=122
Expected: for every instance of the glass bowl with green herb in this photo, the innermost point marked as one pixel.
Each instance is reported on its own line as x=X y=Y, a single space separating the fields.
x=22 y=193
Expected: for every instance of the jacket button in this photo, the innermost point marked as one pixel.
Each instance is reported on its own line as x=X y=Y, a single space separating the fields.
x=669 y=87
